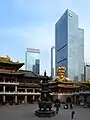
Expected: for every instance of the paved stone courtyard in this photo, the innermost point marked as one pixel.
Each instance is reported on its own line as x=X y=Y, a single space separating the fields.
x=26 y=112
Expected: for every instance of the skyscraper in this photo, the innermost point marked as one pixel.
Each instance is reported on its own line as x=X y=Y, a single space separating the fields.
x=37 y=66
x=34 y=69
x=69 y=44
x=53 y=61
x=87 y=71
x=32 y=58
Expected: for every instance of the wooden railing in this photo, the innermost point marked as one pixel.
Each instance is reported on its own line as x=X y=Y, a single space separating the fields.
x=9 y=83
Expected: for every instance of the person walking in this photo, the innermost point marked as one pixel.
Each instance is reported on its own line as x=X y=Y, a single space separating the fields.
x=57 y=105
x=73 y=115
x=71 y=106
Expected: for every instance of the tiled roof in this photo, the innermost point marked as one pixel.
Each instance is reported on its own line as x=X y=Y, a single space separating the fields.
x=11 y=64
x=29 y=73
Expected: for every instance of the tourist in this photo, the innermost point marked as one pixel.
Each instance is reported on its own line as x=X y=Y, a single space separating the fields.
x=71 y=105
x=73 y=115
x=57 y=105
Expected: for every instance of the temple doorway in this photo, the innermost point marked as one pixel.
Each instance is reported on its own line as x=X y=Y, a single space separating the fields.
x=68 y=100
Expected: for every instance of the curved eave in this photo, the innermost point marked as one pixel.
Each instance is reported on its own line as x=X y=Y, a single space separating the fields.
x=44 y=78
x=68 y=87
x=53 y=87
x=85 y=83
x=72 y=87
x=55 y=82
x=70 y=83
x=12 y=64
x=30 y=77
x=74 y=83
x=16 y=74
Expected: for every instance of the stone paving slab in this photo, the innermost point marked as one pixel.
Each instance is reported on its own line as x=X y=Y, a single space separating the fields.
x=26 y=112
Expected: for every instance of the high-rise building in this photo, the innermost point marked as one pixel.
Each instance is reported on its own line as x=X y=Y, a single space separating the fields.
x=34 y=69
x=69 y=45
x=32 y=58
x=37 y=66
x=86 y=71
x=53 y=61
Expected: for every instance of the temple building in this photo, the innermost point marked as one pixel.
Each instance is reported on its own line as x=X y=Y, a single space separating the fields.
x=17 y=85
x=66 y=90
x=23 y=86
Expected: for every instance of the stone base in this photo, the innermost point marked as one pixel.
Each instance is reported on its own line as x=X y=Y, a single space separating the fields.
x=41 y=113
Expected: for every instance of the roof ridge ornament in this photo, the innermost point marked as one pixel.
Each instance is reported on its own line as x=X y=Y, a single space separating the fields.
x=61 y=76
x=5 y=59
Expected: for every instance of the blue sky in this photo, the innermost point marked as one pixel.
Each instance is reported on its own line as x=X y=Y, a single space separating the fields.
x=30 y=23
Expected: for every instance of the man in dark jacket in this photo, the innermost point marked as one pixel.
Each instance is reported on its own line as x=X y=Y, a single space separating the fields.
x=57 y=105
x=73 y=115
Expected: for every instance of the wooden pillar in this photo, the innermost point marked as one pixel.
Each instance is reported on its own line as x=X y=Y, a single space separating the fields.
x=15 y=95
x=16 y=99
x=16 y=89
x=4 y=98
x=4 y=88
x=4 y=79
x=33 y=95
x=25 y=96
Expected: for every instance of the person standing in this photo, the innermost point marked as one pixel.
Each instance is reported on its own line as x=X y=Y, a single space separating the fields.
x=57 y=105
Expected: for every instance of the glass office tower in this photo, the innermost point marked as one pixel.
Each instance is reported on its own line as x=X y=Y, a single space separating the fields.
x=32 y=60
x=37 y=66
x=69 y=44
x=53 y=61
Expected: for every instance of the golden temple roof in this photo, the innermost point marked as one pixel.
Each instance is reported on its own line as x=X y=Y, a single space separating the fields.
x=62 y=81
x=6 y=62
x=5 y=59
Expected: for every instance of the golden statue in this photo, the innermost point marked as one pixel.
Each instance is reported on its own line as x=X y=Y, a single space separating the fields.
x=61 y=77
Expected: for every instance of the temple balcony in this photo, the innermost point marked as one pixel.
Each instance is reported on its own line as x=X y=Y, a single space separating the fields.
x=19 y=93
x=9 y=83
x=84 y=92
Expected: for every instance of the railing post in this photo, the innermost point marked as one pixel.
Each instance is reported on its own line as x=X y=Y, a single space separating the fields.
x=4 y=88
x=25 y=96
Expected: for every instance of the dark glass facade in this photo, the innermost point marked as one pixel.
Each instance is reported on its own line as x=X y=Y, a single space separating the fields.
x=69 y=44
x=37 y=66
x=53 y=61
